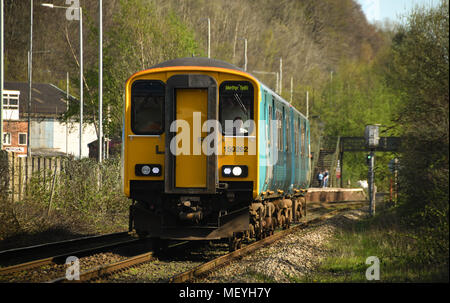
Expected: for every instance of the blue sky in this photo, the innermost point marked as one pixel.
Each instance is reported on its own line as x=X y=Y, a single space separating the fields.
x=378 y=10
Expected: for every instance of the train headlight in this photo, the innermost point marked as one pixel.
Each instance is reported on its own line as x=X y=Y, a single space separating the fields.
x=145 y=170
x=237 y=171
x=240 y=171
x=155 y=170
x=148 y=170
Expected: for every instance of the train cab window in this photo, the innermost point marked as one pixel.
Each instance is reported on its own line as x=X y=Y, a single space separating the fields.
x=147 y=107
x=236 y=108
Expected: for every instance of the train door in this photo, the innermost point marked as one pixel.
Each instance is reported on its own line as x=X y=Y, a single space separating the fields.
x=270 y=144
x=191 y=100
x=190 y=162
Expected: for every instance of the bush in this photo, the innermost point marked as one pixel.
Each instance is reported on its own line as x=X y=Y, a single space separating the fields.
x=420 y=74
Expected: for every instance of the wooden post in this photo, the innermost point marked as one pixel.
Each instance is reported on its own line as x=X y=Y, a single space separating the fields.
x=20 y=179
x=12 y=177
x=51 y=193
x=44 y=170
x=26 y=173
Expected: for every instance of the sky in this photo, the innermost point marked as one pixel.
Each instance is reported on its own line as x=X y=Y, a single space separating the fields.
x=378 y=10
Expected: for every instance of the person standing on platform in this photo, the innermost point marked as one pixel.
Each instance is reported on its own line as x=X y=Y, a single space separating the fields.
x=320 y=178
x=325 y=178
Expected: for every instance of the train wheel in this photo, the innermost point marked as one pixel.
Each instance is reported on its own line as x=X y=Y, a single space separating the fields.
x=303 y=199
x=235 y=242
x=259 y=232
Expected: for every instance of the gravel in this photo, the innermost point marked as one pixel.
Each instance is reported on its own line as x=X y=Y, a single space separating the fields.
x=53 y=271
x=287 y=260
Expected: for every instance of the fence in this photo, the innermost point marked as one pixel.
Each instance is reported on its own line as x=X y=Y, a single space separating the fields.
x=16 y=172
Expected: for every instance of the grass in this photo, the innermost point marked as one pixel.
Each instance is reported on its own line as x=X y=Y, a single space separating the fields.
x=397 y=247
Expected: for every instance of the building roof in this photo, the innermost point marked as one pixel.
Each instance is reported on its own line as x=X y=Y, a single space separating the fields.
x=46 y=99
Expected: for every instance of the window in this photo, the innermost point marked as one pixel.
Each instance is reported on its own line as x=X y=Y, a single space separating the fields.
x=270 y=126
x=296 y=137
x=7 y=138
x=10 y=101
x=303 y=139
x=306 y=141
x=147 y=107
x=288 y=132
x=22 y=139
x=279 y=117
x=236 y=108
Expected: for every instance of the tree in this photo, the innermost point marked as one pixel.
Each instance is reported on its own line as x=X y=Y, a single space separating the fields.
x=131 y=45
x=420 y=74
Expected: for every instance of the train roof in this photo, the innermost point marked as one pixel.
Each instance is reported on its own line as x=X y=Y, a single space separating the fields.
x=198 y=61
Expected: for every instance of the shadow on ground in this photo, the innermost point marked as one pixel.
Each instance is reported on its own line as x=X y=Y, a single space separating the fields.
x=52 y=234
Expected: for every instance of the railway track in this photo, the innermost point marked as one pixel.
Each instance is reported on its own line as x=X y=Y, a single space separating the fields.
x=139 y=252
x=26 y=254
x=210 y=266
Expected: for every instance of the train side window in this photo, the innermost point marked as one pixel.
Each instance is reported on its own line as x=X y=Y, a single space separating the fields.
x=236 y=108
x=306 y=140
x=147 y=107
x=288 y=132
x=280 y=129
x=296 y=138
x=270 y=126
x=302 y=127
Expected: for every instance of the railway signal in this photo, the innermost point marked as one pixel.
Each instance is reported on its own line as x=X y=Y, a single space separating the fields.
x=371 y=135
x=368 y=159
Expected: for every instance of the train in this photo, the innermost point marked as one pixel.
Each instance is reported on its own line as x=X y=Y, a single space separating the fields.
x=209 y=152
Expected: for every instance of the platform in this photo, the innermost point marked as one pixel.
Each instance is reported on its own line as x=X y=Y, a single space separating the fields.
x=335 y=195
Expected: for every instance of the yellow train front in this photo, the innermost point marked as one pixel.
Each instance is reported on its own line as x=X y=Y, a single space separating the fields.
x=192 y=154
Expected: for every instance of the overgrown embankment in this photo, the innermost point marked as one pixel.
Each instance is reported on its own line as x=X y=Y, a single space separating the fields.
x=86 y=199
x=404 y=254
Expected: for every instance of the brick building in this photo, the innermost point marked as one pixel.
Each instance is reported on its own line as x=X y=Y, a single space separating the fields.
x=15 y=129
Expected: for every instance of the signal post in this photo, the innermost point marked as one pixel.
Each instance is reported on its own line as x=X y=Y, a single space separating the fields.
x=372 y=139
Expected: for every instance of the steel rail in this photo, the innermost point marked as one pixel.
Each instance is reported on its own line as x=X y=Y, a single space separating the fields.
x=30 y=250
x=107 y=269
x=102 y=270
x=62 y=257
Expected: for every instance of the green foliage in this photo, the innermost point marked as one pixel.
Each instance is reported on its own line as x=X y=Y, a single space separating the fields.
x=420 y=70
x=357 y=95
x=135 y=44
